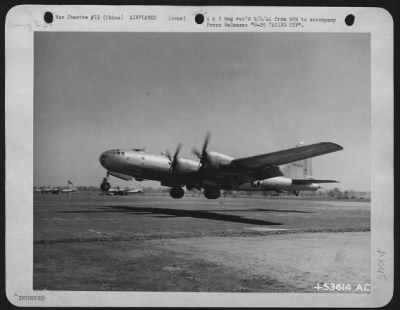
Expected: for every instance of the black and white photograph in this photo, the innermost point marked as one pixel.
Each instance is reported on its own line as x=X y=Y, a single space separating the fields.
x=202 y=161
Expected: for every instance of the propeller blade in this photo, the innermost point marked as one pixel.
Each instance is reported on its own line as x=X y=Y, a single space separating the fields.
x=206 y=141
x=174 y=160
x=168 y=155
x=196 y=152
x=178 y=149
x=203 y=156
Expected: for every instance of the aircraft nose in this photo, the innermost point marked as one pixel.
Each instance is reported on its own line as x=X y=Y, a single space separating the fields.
x=103 y=158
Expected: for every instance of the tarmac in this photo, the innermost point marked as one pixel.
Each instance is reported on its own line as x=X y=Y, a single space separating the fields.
x=91 y=242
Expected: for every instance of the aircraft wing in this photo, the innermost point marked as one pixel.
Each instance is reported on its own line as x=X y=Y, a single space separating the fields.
x=286 y=156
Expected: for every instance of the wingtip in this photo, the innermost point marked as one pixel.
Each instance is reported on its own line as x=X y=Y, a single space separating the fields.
x=339 y=147
x=335 y=146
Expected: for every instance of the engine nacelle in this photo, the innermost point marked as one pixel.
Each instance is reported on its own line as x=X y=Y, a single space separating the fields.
x=273 y=183
x=186 y=166
x=216 y=160
x=279 y=183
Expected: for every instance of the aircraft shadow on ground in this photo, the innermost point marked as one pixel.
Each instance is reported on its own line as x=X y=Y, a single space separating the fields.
x=261 y=210
x=168 y=213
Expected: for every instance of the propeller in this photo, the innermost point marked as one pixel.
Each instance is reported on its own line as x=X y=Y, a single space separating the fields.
x=203 y=155
x=174 y=159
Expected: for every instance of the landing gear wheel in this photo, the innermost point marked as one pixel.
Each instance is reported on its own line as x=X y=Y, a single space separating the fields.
x=176 y=192
x=105 y=186
x=212 y=192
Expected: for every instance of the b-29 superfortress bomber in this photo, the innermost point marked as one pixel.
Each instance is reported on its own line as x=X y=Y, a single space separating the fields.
x=286 y=170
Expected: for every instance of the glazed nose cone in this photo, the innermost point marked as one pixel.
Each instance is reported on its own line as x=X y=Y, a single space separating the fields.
x=103 y=159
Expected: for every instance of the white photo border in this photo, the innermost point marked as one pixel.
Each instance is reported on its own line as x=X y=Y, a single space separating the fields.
x=21 y=24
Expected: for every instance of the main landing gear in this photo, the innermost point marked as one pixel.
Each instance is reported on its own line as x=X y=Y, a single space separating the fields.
x=105 y=186
x=176 y=192
x=212 y=192
x=209 y=192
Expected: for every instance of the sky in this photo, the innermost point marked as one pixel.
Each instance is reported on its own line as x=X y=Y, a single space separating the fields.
x=255 y=92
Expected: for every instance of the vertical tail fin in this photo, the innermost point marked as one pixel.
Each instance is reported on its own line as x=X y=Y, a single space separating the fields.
x=300 y=169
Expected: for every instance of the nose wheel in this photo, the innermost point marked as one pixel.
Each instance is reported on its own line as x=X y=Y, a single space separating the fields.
x=105 y=186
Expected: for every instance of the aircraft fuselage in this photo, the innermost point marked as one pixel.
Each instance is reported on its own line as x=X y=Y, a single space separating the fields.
x=143 y=166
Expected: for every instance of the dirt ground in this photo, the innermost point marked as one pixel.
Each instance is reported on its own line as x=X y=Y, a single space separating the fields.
x=301 y=260
x=144 y=243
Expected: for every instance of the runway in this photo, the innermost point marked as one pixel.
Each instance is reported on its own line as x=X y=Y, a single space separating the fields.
x=84 y=241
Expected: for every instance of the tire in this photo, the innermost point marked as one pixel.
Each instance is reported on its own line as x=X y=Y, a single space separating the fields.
x=212 y=192
x=105 y=186
x=176 y=192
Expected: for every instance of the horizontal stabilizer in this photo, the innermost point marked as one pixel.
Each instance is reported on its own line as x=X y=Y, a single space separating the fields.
x=311 y=181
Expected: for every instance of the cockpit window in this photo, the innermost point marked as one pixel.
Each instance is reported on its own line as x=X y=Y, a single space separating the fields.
x=117 y=152
x=139 y=150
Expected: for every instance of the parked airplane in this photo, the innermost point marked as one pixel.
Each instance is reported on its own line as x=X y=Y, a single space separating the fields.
x=70 y=188
x=56 y=190
x=286 y=170
x=114 y=191
x=135 y=191
x=47 y=190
